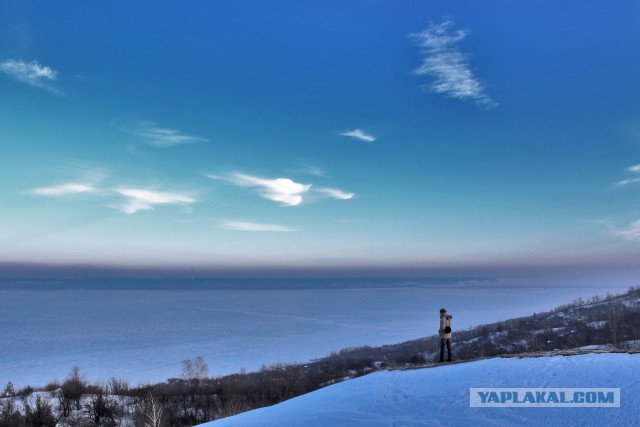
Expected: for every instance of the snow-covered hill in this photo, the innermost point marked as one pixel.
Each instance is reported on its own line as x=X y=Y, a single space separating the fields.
x=439 y=396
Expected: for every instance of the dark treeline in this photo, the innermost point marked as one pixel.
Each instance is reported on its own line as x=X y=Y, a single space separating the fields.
x=195 y=397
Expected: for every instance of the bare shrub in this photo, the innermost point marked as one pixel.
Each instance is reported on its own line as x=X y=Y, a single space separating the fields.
x=71 y=392
x=38 y=413
x=102 y=409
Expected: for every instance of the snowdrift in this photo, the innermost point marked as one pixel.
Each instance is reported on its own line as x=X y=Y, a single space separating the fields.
x=440 y=395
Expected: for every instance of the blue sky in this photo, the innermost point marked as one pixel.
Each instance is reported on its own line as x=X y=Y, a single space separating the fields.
x=325 y=134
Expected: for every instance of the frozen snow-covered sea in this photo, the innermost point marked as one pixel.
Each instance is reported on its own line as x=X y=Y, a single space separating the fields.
x=143 y=335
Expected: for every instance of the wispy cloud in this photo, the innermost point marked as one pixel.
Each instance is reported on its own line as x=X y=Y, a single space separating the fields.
x=135 y=199
x=359 y=134
x=161 y=137
x=141 y=199
x=630 y=233
x=633 y=169
x=64 y=190
x=282 y=190
x=448 y=66
x=335 y=193
x=31 y=73
x=311 y=170
x=252 y=226
x=628 y=181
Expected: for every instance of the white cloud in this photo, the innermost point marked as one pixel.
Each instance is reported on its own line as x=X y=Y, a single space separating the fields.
x=628 y=181
x=282 y=190
x=135 y=199
x=141 y=199
x=312 y=170
x=633 y=169
x=630 y=233
x=359 y=134
x=31 y=73
x=64 y=190
x=163 y=137
x=335 y=193
x=251 y=226
x=448 y=66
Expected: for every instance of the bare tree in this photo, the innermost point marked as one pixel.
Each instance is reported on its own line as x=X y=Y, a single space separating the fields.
x=533 y=340
x=195 y=369
x=38 y=413
x=614 y=323
x=194 y=372
x=152 y=413
x=118 y=387
x=71 y=391
x=9 y=414
x=102 y=408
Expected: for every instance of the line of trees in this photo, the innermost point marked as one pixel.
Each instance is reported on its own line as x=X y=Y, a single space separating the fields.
x=191 y=399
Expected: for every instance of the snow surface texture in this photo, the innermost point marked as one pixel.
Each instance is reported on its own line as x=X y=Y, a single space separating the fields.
x=440 y=396
x=142 y=336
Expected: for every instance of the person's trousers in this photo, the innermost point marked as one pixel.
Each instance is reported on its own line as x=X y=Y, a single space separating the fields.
x=442 y=344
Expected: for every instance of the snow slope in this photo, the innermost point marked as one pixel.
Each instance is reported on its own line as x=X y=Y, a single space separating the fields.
x=440 y=396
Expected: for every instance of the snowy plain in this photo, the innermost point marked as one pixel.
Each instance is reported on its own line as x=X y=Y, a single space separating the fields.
x=143 y=335
x=440 y=396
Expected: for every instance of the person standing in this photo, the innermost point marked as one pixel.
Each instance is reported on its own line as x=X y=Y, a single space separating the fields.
x=445 y=334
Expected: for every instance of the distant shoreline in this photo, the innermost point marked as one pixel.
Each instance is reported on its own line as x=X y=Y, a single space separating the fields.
x=258 y=284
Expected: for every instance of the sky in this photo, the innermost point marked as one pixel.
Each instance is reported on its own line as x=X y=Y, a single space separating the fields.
x=382 y=134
